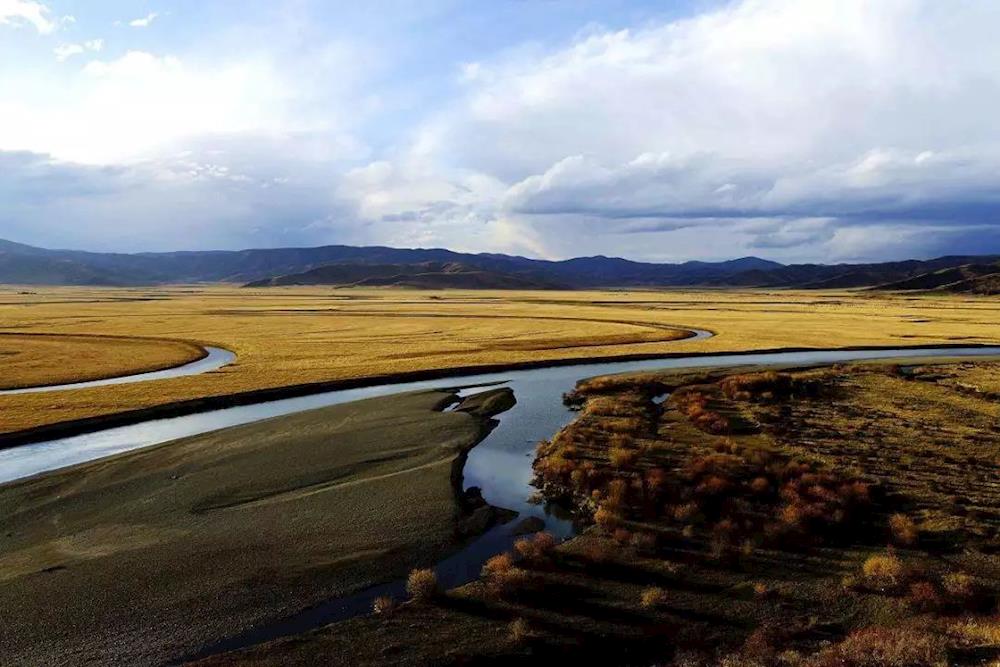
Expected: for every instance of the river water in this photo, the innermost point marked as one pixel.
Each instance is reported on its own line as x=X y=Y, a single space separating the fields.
x=215 y=359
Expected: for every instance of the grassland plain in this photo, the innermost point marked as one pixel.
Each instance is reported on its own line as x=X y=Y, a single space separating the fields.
x=35 y=360
x=109 y=562
x=290 y=336
x=846 y=516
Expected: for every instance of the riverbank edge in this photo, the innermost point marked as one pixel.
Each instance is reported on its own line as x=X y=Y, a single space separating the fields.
x=84 y=425
x=201 y=352
x=474 y=515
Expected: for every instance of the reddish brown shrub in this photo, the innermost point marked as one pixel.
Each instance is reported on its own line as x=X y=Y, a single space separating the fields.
x=501 y=576
x=383 y=605
x=422 y=585
x=760 y=486
x=924 y=596
x=904 y=531
x=535 y=549
x=617 y=493
x=855 y=492
x=686 y=512
x=498 y=564
x=606 y=519
x=713 y=485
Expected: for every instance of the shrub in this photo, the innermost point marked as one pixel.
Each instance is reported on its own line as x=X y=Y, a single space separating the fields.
x=537 y=548
x=855 y=492
x=760 y=486
x=884 y=647
x=978 y=631
x=959 y=586
x=653 y=597
x=518 y=631
x=686 y=512
x=713 y=485
x=656 y=479
x=501 y=576
x=383 y=605
x=606 y=519
x=904 y=531
x=883 y=571
x=621 y=457
x=545 y=543
x=499 y=564
x=422 y=585
x=617 y=493
x=717 y=463
x=792 y=515
x=924 y=596
x=525 y=549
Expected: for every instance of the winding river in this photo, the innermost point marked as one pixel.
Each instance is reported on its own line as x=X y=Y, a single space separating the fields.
x=215 y=358
x=500 y=465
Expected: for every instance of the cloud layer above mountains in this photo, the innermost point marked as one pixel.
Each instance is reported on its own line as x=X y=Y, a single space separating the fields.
x=819 y=131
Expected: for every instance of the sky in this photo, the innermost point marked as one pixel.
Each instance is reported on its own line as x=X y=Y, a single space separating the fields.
x=799 y=131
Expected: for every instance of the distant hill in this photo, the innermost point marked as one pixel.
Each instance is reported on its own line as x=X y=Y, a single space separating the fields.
x=967 y=278
x=427 y=275
x=40 y=270
x=341 y=265
x=246 y=266
x=846 y=276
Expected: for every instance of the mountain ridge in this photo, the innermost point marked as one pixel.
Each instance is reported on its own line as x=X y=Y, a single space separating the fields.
x=426 y=275
x=30 y=265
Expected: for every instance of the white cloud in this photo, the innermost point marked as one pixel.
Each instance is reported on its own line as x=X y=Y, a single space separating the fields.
x=133 y=106
x=65 y=51
x=25 y=12
x=844 y=111
x=144 y=21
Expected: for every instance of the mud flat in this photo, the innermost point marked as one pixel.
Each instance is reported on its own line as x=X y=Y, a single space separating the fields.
x=147 y=556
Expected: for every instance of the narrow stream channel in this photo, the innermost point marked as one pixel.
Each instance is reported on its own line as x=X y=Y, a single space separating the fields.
x=215 y=359
x=500 y=465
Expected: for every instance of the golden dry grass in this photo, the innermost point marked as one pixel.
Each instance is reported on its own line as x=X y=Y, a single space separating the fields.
x=35 y=360
x=286 y=336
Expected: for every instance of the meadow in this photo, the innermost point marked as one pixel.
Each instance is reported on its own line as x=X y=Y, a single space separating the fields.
x=291 y=336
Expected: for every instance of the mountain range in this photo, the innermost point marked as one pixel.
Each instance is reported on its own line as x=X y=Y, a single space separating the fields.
x=438 y=268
